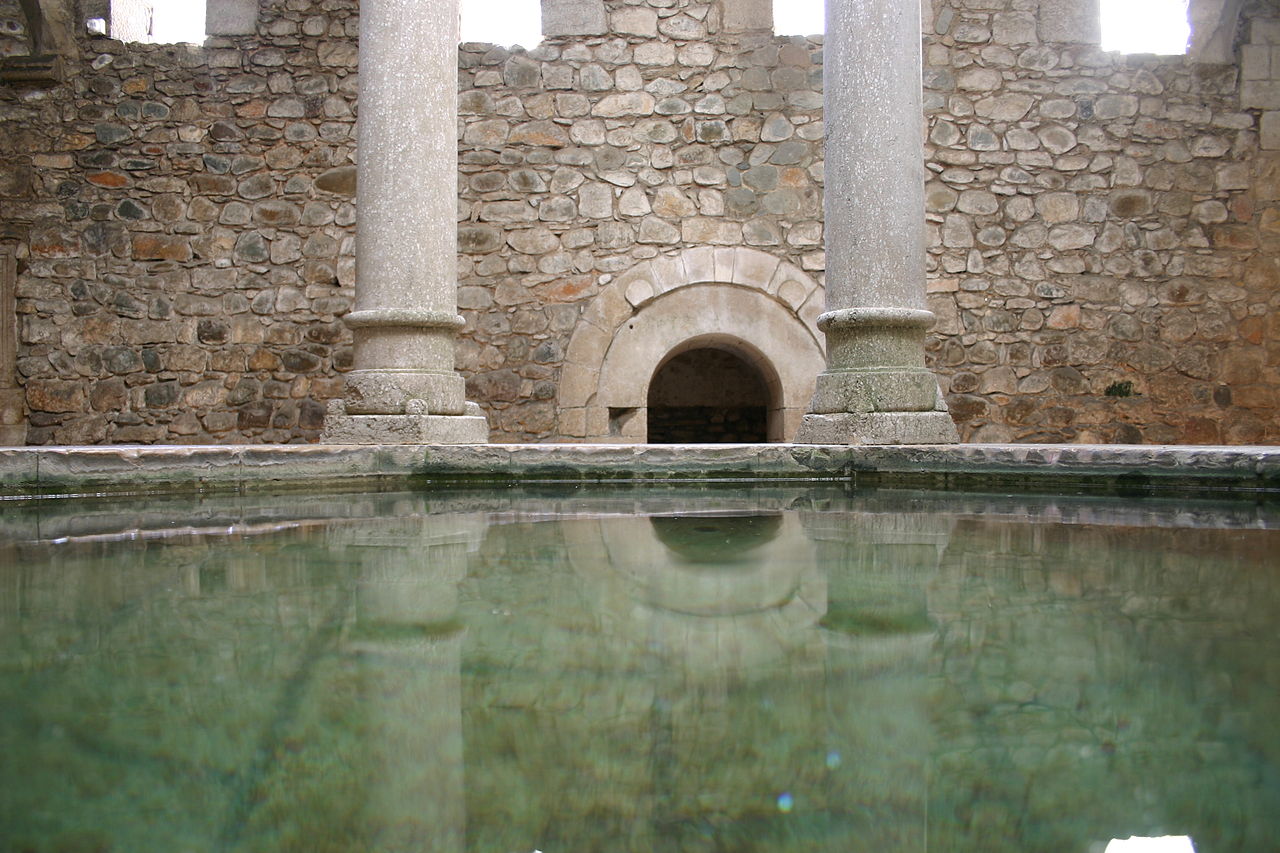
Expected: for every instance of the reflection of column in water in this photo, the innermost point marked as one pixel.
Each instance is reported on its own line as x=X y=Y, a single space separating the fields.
x=409 y=643
x=879 y=638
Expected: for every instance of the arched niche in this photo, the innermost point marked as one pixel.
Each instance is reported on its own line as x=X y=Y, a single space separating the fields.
x=714 y=390
x=758 y=306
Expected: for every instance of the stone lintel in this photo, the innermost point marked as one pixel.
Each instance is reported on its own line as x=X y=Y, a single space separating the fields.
x=878 y=428
x=405 y=429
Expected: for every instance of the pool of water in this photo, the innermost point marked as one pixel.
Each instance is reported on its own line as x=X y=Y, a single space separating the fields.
x=644 y=669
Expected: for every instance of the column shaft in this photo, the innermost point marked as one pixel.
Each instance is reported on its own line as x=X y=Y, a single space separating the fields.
x=876 y=388
x=404 y=387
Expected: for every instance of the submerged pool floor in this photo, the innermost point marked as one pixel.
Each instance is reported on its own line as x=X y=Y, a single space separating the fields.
x=744 y=667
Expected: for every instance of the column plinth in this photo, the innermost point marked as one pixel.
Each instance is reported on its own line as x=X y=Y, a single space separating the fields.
x=404 y=388
x=876 y=388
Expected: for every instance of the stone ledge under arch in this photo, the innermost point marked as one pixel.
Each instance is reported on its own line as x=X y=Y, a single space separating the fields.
x=752 y=303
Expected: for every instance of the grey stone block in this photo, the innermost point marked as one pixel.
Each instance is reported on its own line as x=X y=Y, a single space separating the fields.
x=405 y=429
x=1071 y=21
x=878 y=428
x=1260 y=94
x=743 y=15
x=231 y=17
x=574 y=18
x=884 y=390
x=1270 y=127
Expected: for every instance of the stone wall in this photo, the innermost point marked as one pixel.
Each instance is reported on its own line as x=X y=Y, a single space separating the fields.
x=588 y=156
x=1103 y=229
x=1104 y=239
x=184 y=234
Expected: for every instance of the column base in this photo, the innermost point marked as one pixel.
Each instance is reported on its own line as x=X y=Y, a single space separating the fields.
x=341 y=428
x=878 y=428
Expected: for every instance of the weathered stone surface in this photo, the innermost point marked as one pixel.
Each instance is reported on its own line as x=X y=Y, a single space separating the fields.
x=340 y=181
x=236 y=469
x=159 y=247
x=625 y=104
x=1078 y=191
x=1066 y=186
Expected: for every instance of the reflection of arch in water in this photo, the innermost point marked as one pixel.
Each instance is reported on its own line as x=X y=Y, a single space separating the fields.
x=716 y=538
x=757 y=306
x=748 y=611
x=714 y=389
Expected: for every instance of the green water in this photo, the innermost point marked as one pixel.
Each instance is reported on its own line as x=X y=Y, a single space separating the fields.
x=660 y=669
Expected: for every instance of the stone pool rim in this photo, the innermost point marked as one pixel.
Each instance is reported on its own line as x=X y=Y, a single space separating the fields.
x=68 y=471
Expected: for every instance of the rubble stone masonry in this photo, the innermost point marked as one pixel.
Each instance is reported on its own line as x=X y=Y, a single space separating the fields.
x=1104 y=230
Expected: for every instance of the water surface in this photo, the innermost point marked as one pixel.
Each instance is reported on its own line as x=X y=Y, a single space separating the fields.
x=657 y=669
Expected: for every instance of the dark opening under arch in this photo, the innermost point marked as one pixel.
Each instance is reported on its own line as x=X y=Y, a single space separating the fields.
x=708 y=396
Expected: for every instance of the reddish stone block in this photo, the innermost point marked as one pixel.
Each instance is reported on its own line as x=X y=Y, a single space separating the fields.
x=111 y=180
x=264 y=360
x=214 y=184
x=569 y=289
x=160 y=247
x=54 y=395
x=54 y=242
x=1253 y=330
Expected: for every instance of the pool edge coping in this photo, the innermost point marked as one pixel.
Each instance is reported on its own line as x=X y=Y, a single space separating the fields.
x=175 y=469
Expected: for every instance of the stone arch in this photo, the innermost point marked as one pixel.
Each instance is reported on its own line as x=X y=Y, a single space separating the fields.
x=758 y=306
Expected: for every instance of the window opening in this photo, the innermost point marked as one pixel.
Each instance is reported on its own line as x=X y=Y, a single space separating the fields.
x=1145 y=26
x=158 y=21
x=502 y=22
x=799 y=17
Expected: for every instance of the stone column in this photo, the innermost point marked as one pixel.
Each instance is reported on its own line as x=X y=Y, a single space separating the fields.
x=876 y=388
x=404 y=388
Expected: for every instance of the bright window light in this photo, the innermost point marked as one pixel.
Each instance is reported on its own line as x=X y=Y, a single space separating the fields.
x=179 y=22
x=1163 y=844
x=158 y=21
x=799 y=17
x=1145 y=26
x=502 y=22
